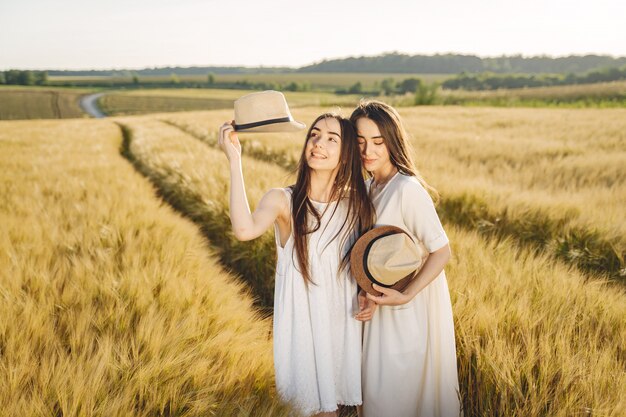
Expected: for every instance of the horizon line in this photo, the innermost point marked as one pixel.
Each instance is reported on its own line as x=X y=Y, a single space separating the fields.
x=514 y=55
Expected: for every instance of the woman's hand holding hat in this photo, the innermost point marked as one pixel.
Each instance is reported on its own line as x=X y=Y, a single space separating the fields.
x=229 y=142
x=389 y=256
x=390 y=297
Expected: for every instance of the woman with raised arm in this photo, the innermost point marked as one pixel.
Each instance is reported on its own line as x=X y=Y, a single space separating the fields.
x=409 y=353
x=317 y=341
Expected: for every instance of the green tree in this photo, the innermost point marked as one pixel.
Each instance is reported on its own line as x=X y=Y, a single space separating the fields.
x=292 y=86
x=388 y=86
x=19 y=77
x=174 y=78
x=356 y=88
x=41 y=77
x=27 y=78
x=135 y=79
x=409 y=85
x=210 y=78
x=10 y=77
x=426 y=94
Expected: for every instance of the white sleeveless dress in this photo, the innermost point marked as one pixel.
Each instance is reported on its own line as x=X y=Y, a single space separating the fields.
x=317 y=340
x=409 y=352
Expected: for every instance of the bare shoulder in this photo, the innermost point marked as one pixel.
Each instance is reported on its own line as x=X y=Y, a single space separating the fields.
x=278 y=198
x=277 y=195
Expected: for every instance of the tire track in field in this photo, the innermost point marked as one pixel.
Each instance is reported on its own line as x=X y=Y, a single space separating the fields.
x=585 y=249
x=247 y=259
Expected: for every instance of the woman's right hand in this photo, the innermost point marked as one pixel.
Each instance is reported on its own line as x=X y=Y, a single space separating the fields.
x=229 y=142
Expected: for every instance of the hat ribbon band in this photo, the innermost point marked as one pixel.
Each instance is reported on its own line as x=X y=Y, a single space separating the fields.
x=366 y=254
x=262 y=123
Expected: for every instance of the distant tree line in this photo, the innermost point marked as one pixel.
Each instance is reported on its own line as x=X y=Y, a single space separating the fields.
x=387 y=87
x=396 y=63
x=166 y=71
x=455 y=64
x=422 y=94
x=490 y=81
x=23 y=77
x=248 y=85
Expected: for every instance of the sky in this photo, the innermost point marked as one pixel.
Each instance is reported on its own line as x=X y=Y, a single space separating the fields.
x=133 y=34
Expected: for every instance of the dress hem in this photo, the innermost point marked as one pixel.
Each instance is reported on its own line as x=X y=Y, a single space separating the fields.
x=328 y=410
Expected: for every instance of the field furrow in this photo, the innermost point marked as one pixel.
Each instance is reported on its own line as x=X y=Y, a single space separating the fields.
x=110 y=303
x=194 y=179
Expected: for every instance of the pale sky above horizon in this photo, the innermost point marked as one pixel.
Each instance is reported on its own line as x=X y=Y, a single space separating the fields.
x=85 y=34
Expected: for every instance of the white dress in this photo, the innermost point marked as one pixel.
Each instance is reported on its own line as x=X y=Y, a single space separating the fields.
x=409 y=353
x=317 y=340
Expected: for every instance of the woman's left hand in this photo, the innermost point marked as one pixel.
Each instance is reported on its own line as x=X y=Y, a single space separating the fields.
x=366 y=307
x=390 y=297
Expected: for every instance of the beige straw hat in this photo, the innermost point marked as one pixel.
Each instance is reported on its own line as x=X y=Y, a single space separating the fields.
x=387 y=256
x=266 y=111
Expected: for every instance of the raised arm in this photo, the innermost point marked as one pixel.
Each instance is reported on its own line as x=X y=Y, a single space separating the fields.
x=273 y=205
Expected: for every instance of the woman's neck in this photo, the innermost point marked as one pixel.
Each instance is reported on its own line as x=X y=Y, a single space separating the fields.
x=384 y=174
x=321 y=185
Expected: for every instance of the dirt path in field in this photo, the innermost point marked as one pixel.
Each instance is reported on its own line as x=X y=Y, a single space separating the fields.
x=89 y=104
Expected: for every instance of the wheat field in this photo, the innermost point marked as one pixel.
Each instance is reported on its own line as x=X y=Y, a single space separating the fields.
x=116 y=246
x=608 y=94
x=137 y=102
x=552 y=177
x=523 y=349
x=17 y=102
x=111 y=303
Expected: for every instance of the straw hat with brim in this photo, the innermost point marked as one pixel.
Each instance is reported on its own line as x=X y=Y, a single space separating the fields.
x=387 y=256
x=266 y=111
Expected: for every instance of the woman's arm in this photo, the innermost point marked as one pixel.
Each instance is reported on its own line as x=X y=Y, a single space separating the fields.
x=421 y=220
x=273 y=205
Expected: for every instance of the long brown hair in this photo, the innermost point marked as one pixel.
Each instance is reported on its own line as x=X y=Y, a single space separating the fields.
x=395 y=138
x=349 y=183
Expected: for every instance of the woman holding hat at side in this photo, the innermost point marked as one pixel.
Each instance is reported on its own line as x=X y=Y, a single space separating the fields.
x=317 y=341
x=409 y=355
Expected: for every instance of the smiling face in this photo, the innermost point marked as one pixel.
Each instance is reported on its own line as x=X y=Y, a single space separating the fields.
x=323 y=147
x=374 y=152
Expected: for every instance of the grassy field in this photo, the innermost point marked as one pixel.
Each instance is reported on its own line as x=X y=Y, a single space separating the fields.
x=121 y=309
x=49 y=102
x=535 y=338
x=111 y=304
x=328 y=82
x=612 y=94
x=144 y=101
x=551 y=178
x=40 y=103
x=166 y=100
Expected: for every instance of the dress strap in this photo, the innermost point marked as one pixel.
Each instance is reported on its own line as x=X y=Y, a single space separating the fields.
x=287 y=192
